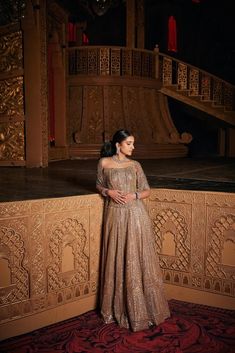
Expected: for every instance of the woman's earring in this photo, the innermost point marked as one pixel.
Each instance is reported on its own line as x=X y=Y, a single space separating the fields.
x=118 y=150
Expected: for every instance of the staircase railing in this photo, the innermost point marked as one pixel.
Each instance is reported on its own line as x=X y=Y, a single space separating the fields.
x=140 y=63
x=196 y=82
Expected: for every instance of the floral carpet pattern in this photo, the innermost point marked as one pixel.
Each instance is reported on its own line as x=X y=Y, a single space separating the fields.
x=192 y=328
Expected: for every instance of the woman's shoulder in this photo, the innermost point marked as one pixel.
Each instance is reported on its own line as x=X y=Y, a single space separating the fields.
x=136 y=163
x=104 y=161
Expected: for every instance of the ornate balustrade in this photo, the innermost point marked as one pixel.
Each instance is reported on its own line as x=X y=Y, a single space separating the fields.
x=122 y=61
x=196 y=82
x=113 y=61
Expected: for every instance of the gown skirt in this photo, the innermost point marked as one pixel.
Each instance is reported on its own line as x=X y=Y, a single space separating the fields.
x=131 y=292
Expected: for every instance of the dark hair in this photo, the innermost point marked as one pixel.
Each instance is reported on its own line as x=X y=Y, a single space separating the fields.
x=109 y=148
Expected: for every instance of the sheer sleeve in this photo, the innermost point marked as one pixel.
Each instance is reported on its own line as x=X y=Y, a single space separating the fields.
x=100 y=179
x=142 y=183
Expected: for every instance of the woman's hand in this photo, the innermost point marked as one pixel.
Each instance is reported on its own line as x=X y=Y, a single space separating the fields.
x=130 y=196
x=117 y=196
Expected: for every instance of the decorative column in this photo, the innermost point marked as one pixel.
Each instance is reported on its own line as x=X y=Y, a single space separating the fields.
x=35 y=84
x=230 y=145
x=59 y=86
x=140 y=24
x=130 y=23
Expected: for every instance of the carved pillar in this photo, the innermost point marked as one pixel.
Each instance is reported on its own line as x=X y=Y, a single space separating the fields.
x=221 y=142
x=230 y=145
x=59 y=85
x=156 y=52
x=35 y=79
x=130 y=23
x=12 y=119
x=140 y=24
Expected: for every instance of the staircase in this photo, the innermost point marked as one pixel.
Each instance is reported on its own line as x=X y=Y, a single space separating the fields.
x=112 y=87
x=197 y=88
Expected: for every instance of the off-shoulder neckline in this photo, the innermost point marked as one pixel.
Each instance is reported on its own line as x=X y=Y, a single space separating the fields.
x=131 y=165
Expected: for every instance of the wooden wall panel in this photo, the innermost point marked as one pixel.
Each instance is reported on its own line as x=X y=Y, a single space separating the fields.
x=50 y=253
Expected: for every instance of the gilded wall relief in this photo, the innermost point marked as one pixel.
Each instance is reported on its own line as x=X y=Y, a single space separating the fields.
x=115 y=109
x=11 y=57
x=49 y=253
x=220 y=246
x=134 y=113
x=172 y=239
x=95 y=123
x=200 y=228
x=15 y=286
x=11 y=97
x=37 y=251
x=69 y=254
x=44 y=81
x=50 y=249
x=12 y=141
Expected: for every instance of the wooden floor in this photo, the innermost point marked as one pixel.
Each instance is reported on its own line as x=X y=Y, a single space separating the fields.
x=77 y=177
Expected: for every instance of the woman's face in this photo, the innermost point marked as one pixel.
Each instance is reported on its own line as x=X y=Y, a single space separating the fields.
x=127 y=146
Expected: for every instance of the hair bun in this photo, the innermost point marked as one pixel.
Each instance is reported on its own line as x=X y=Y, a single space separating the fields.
x=107 y=149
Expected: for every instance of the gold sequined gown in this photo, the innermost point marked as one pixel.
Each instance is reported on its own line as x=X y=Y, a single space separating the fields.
x=131 y=292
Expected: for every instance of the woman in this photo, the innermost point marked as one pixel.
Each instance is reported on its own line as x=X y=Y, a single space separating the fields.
x=131 y=290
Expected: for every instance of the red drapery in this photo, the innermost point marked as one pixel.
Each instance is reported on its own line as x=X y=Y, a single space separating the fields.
x=172 y=34
x=72 y=32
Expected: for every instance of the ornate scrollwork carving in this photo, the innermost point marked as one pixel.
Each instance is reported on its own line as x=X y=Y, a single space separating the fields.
x=68 y=232
x=214 y=265
x=11 y=93
x=171 y=220
x=182 y=76
x=11 y=240
x=104 y=59
x=12 y=141
x=11 y=52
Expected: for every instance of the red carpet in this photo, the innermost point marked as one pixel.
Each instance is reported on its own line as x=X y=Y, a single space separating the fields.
x=192 y=328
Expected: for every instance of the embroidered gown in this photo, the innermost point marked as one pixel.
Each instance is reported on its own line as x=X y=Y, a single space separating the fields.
x=131 y=290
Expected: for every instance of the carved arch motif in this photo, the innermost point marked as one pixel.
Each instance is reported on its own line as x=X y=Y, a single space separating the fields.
x=67 y=232
x=12 y=249
x=176 y=224
x=218 y=236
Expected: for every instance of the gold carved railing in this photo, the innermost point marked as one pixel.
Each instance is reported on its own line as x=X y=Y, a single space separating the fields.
x=113 y=61
x=196 y=83
x=122 y=61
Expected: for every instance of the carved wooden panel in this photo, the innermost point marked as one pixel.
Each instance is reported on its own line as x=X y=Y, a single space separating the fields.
x=195 y=238
x=12 y=141
x=182 y=76
x=52 y=249
x=11 y=52
x=94 y=117
x=11 y=98
x=194 y=83
x=115 y=114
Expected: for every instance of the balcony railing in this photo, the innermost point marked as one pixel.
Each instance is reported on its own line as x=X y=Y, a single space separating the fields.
x=111 y=61
x=140 y=63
